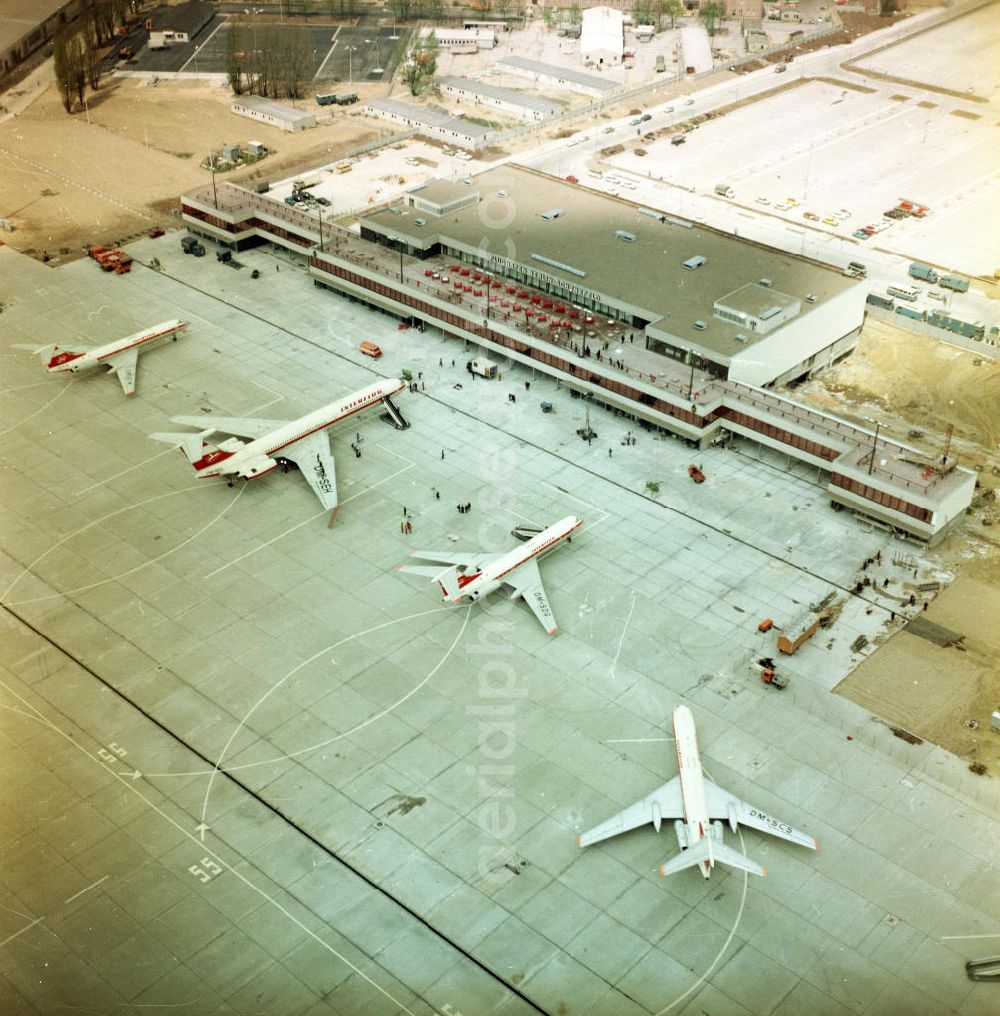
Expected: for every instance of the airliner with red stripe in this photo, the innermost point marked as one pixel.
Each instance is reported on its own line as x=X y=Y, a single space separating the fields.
x=119 y=357
x=301 y=443
x=694 y=801
x=473 y=576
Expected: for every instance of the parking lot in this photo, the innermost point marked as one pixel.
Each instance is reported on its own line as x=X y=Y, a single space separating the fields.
x=821 y=149
x=340 y=53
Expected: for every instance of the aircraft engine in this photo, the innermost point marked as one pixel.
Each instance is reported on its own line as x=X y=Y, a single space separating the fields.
x=681 y=832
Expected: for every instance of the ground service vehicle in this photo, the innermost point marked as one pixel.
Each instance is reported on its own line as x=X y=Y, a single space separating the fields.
x=925 y=272
x=191 y=246
x=370 y=349
x=724 y=190
x=952 y=282
x=856 y=270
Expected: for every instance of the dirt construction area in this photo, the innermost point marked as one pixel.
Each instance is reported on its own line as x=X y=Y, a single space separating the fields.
x=65 y=183
x=914 y=385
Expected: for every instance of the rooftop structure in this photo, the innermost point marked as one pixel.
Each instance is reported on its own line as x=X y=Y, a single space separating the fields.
x=433 y=122
x=602 y=39
x=564 y=77
x=527 y=107
x=276 y=114
x=480 y=38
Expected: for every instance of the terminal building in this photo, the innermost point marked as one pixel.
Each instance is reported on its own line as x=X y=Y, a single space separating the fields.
x=675 y=325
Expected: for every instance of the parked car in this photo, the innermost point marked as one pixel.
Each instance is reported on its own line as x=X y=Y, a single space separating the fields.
x=678 y=140
x=763 y=201
x=571 y=179
x=861 y=235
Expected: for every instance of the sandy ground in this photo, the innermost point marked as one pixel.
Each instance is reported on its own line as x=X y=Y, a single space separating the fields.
x=934 y=692
x=65 y=183
x=912 y=383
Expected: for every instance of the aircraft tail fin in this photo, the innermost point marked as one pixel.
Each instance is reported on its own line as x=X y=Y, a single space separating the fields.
x=193 y=445
x=45 y=352
x=711 y=852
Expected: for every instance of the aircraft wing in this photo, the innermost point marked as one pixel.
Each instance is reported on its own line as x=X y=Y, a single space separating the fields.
x=662 y=804
x=471 y=562
x=315 y=461
x=232 y=425
x=123 y=365
x=721 y=803
x=526 y=582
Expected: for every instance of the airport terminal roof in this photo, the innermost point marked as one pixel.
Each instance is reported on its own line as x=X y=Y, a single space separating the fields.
x=644 y=272
x=548 y=70
x=515 y=98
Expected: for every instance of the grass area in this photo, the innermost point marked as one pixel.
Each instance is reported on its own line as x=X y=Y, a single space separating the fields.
x=493 y=125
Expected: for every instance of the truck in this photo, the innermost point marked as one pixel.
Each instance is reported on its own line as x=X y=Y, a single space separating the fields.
x=724 y=190
x=337 y=98
x=191 y=246
x=661 y=64
x=482 y=367
x=925 y=272
x=856 y=270
x=955 y=283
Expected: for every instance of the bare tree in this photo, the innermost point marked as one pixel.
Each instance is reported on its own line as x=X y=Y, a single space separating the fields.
x=673 y=9
x=235 y=60
x=422 y=64
x=67 y=57
x=710 y=15
x=102 y=16
x=92 y=63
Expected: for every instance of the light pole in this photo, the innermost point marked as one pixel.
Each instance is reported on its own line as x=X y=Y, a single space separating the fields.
x=871 y=462
x=320 y=213
x=350 y=63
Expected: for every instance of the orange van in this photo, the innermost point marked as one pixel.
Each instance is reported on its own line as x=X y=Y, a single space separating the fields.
x=370 y=349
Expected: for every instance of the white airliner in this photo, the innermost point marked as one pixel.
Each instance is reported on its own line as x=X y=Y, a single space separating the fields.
x=481 y=574
x=119 y=356
x=698 y=800
x=279 y=442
